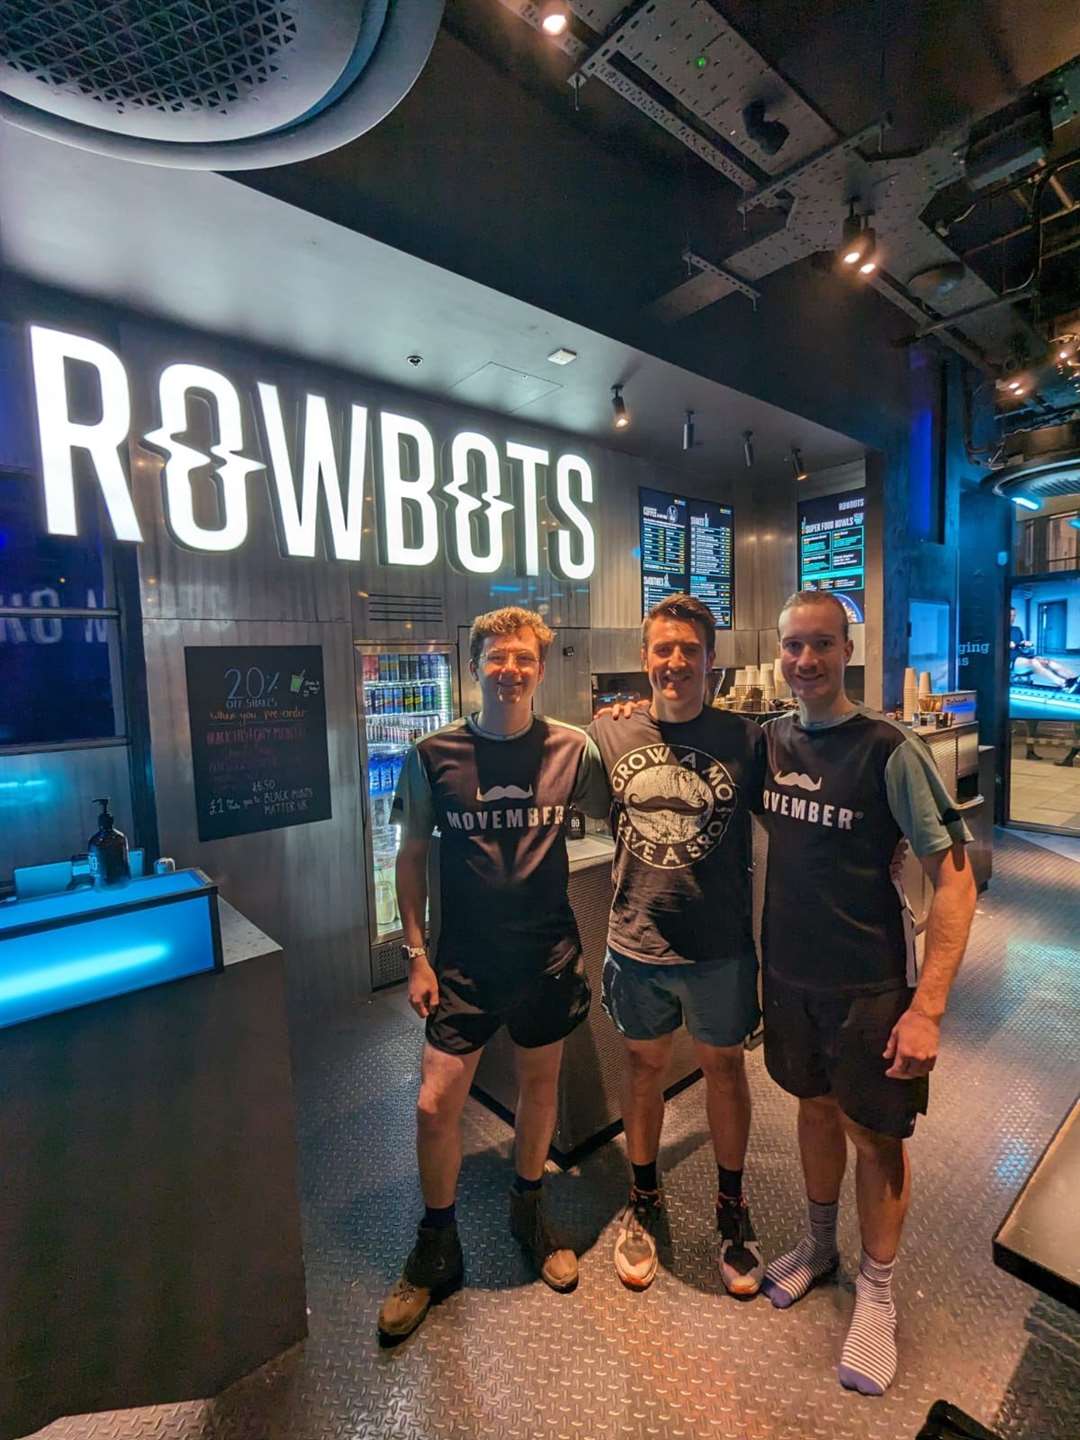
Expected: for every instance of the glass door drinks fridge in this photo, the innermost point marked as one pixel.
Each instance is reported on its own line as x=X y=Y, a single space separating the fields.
x=403 y=692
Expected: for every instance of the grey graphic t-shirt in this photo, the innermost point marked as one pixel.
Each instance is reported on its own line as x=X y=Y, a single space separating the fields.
x=680 y=815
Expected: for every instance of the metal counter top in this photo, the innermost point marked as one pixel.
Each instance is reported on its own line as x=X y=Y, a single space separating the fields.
x=1039 y=1240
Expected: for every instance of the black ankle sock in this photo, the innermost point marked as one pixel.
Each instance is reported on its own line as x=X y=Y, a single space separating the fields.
x=436 y=1218
x=645 y=1176
x=729 y=1183
x=523 y=1186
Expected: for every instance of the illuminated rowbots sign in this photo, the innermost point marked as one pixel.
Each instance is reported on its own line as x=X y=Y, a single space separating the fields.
x=473 y=499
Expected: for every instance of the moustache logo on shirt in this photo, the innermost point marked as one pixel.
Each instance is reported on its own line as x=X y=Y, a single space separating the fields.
x=675 y=803
x=796 y=779
x=503 y=792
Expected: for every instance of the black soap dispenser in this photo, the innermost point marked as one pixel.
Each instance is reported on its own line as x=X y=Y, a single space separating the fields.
x=107 y=849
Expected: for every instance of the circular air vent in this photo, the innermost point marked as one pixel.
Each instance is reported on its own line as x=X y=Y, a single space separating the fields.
x=209 y=84
x=1043 y=462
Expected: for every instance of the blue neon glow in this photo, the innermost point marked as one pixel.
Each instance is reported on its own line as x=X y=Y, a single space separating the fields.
x=89 y=956
x=1075 y=522
x=1025 y=502
x=78 y=972
x=84 y=902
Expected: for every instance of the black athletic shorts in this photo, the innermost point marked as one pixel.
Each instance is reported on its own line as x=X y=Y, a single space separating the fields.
x=537 y=1009
x=819 y=1044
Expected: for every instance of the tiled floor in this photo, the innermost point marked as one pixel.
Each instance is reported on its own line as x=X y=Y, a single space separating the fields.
x=506 y=1358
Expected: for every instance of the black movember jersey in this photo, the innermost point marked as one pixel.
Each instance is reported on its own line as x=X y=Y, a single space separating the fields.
x=836 y=801
x=500 y=806
x=681 y=797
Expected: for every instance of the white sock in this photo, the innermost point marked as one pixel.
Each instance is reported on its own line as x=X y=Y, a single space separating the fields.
x=790 y=1276
x=868 y=1360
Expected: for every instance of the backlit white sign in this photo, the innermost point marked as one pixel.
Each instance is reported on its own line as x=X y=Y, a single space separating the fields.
x=416 y=514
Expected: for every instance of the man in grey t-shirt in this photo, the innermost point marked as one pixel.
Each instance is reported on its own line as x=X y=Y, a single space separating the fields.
x=684 y=778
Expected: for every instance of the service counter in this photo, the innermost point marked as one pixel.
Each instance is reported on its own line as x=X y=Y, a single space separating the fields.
x=150 y=1247
x=590 y=1088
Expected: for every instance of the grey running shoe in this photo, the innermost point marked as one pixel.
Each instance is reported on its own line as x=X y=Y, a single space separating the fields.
x=557 y=1265
x=434 y=1269
x=635 y=1244
x=741 y=1265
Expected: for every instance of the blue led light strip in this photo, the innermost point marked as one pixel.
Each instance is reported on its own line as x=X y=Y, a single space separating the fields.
x=79 y=972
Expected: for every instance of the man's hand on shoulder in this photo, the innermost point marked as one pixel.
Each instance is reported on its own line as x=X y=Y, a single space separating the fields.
x=912 y=1045
x=623 y=710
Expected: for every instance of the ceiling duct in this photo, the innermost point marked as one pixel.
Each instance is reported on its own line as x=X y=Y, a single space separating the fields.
x=1039 y=463
x=1010 y=144
x=210 y=84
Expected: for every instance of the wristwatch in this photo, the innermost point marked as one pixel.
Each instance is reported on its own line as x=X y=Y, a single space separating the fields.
x=412 y=952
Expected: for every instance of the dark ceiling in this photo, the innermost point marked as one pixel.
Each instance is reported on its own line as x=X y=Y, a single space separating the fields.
x=487 y=168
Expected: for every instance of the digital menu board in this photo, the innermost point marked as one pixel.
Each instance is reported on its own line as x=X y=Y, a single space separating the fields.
x=832 y=549
x=687 y=547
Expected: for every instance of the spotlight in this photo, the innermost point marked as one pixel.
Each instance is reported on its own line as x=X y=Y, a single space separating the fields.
x=554 y=20
x=1025 y=502
x=869 y=261
x=798 y=469
x=769 y=135
x=688 y=431
x=748 y=448
x=858 y=245
x=618 y=407
x=853 y=245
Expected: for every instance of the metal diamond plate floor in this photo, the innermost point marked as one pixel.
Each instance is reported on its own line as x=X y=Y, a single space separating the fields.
x=507 y=1358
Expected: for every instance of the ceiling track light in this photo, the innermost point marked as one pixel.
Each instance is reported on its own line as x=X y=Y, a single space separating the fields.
x=688 y=431
x=554 y=20
x=798 y=469
x=748 y=448
x=618 y=408
x=858 y=244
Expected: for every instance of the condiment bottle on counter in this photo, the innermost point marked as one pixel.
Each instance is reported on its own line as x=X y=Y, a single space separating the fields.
x=107 y=849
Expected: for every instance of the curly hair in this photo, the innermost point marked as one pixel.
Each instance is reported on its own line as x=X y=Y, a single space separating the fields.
x=508 y=621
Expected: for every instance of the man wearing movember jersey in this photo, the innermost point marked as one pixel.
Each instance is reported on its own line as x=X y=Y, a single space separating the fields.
x=497 y=785
x=850 y=1027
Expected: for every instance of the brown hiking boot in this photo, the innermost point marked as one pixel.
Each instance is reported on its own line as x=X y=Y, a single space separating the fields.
x=558 y=1266
x=434 y=1269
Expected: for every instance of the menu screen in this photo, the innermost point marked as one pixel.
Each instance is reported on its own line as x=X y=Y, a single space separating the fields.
x=832 y=549
x=687 y=548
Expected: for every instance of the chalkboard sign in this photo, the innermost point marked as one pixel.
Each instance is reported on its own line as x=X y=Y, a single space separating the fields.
x=258 y=737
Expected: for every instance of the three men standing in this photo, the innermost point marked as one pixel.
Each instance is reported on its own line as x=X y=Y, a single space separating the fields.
x=849 y=1027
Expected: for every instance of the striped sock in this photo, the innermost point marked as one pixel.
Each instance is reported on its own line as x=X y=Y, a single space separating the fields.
x=790 y=1276
x=868 y=1360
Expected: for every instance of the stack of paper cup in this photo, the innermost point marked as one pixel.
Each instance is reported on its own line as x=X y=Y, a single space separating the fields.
x=740 y=677
x=911 y=693
x=925 y=687
x=768 y=683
